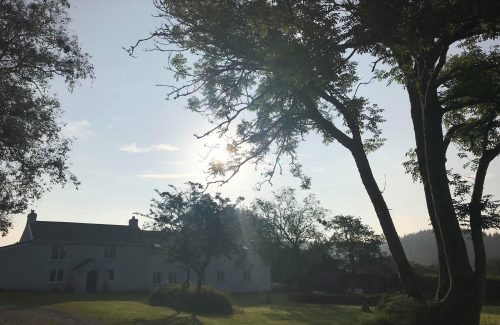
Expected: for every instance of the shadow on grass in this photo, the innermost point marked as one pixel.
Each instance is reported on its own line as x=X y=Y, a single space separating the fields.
x=30 y=299
x=174 y=319
x=313 y=314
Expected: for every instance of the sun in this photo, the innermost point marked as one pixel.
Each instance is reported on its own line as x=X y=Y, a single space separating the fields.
x=219 y=152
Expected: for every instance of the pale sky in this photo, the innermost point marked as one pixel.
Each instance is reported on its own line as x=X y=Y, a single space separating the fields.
x=130 y=140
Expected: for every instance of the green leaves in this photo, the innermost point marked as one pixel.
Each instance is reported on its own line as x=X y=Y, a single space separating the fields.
x=265 y=74
x=35 y=46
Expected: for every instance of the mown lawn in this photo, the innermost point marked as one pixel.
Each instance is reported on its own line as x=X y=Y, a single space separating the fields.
x=129 y=308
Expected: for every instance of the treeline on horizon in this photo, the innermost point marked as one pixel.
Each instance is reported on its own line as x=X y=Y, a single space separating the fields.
x=420 y=247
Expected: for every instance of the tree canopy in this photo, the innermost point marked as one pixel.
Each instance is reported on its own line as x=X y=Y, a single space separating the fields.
x=35 y=48
x=197 y=227
x=355 y=243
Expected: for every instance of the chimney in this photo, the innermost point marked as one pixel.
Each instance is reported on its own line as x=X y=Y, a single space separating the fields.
x=133 y=223
x=32 y=217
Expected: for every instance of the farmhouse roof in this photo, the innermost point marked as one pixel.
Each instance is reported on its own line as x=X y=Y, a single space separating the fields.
x=87 y=233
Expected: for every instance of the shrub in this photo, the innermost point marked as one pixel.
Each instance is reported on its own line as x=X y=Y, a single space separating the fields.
x=204 y=301
x=401 y=310
x=406 y=310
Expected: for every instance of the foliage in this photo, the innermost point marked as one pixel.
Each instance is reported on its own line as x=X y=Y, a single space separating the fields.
x=406 y=310
x=266 y=74
x=353 y=242
x=35 y=47
x=401 y=310
x=196 y=226
x=470 y=99
x=205 y=300
x=275 y=73
x=290 y=224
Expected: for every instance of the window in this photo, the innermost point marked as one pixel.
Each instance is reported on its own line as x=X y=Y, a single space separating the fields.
x=52 y=277
x=111 y=275
x=56 y=276
x=157 y=278
x=246 y=275
x=172 y=277
x=220 y=276
x=110 y=252
x=58 y=252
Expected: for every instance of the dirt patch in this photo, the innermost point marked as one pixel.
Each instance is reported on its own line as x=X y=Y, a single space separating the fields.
x=35 y=316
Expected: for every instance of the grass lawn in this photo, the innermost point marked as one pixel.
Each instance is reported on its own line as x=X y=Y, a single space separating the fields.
x=129 y=308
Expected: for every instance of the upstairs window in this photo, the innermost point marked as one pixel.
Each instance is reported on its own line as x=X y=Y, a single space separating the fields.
x=246 y=276
x=58 y=252
x=110 y=252
x=172 y=277
x=157 y=278
x=220 y=276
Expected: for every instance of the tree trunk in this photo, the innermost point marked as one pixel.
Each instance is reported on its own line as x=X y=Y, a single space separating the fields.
x=300 y=269
x=200 y=280
x=443 y=277
x=355 y=146
x=461 y=304
x=406 y=275
x=475 y=208
x=188 y=277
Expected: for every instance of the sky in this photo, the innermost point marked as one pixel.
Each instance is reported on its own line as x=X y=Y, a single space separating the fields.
x=129 y=140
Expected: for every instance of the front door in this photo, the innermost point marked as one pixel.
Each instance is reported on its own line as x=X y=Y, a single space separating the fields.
x=92 y=281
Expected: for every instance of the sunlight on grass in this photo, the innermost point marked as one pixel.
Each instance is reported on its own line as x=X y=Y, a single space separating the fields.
x=130 y=308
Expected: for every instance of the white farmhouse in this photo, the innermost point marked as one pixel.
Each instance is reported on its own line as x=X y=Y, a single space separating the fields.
x=83 y=257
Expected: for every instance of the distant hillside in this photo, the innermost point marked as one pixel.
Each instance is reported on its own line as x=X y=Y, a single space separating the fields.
x=420 y=247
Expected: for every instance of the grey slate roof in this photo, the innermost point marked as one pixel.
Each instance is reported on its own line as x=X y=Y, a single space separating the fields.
x=87 y=233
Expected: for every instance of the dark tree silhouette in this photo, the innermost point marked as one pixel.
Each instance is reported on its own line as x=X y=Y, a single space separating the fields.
x=291 y=224
x=275 y=71
x=197 y=227
x=352 y=241
x=414 y=38
x=470 y=98
x=35 y=46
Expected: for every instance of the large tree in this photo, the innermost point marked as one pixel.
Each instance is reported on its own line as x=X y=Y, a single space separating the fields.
x=35 y=47
x=196 y=227
x=471 y=101
x=275 y=71
x=414 y=39
x=281 y=69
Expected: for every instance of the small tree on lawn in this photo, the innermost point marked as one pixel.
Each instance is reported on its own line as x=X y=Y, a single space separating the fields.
x=197 y=227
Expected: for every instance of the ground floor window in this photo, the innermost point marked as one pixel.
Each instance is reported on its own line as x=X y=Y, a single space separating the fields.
x=246 y=275
x=220 y=276
x=56 y=276
x=172 y=277
x=111 y=275
x=157 y=278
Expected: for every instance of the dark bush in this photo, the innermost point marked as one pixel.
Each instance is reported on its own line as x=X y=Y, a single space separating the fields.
x=401 y=310
x=492 y=295
x=335 y=299
x=406 y=310
x=204 y=301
